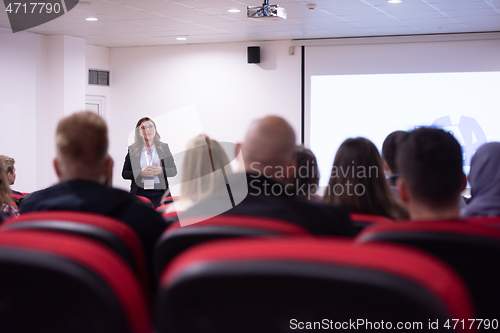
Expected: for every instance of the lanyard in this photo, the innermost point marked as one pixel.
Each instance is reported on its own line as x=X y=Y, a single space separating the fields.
x=152 y=156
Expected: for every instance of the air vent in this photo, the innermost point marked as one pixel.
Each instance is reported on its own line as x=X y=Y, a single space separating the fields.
x=98 y=77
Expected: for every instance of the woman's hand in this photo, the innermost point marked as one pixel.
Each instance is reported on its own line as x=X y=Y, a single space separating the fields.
x=151 y=171
x=156 y=169
x=147 y=171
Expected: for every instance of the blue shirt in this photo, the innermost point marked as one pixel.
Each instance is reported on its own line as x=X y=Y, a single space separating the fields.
x=144 y=161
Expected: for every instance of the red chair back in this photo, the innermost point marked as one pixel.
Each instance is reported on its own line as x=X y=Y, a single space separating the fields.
x=489 y=221
x=111 y=232
x=177 y=239
x=146 y=200
x=362 y=221
x=472 y=250
x=277 y=285
x=62 y=283
x=17 y=196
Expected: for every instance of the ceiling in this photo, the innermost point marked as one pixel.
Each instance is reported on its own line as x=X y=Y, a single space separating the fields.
x=126 y=23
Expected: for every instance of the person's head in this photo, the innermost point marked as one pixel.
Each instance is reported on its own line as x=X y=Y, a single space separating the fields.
x=5 y=193
x=82 y=148
x=8 y=163
x=201 y=168
x=357 y=181
x=429 y=161
x=269 y=146
x=306 y=175
x=145 y=132
x=389 y=148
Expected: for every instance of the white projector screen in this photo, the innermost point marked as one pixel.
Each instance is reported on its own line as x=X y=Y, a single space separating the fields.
x=372 y=106
x=371 y=87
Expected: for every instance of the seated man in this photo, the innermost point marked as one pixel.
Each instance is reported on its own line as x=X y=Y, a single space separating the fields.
x=83 y=167
x=431 y=179
x=8 y=163
x=268 y=152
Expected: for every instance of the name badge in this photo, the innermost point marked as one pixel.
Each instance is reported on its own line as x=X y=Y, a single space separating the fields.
x=149 y=184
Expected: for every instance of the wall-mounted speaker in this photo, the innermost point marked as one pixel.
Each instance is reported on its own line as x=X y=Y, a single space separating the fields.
x=253 y=55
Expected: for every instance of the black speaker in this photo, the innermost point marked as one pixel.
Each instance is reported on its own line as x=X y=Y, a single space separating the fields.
x=253 y=54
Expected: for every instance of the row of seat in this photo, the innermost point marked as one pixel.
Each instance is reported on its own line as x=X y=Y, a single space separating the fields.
x=210 y=283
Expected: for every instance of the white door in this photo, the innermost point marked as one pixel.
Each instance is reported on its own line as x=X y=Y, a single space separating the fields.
x=95 y=104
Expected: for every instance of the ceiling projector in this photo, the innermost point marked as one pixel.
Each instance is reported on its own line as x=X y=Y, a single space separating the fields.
x=266 y=11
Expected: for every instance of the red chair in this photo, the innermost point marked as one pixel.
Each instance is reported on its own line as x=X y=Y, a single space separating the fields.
x=62 y=283
x=472 y=250
x=279 y=285
x=170 y=217
x=170 y=199
x=177 y=239
x=166 y=203
x=108 y=231
x=161 y=208
x=489 y=221
x=166 y=215
x=362 y=221
x=18 y=196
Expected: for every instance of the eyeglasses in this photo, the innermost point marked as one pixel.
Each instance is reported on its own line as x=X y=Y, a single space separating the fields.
x=150 y=127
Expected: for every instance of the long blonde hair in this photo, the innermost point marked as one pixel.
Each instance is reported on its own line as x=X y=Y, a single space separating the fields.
x=5 y=193
x=200 y=175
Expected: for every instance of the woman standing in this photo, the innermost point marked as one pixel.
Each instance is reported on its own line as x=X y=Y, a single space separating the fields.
x=148 y=163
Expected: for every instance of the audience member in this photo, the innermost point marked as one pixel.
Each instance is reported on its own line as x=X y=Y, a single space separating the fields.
x=10 y=169
x=268 y=151
x=6 y=208
x=83 y=167
x=389 y=148
x=306 y=176
x=202 y=172
x=429 y=161
x=357 y=181
x=484 y=179
x=148 y=163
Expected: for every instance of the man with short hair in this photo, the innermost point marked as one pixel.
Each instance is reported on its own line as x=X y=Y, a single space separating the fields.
x=8 y=163
x=268 y=154
x=84 y=167
x=431 y=179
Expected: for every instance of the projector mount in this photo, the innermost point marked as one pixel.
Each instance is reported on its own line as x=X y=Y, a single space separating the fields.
x=266 y=11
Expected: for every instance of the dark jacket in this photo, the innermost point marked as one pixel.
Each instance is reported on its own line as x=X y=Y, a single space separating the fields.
x=88 y=196
x=132 y=168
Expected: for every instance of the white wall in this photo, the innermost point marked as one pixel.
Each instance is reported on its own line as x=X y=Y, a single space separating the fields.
x=227 y=92
x=45 y=79
x=97 y=57
x=42 y=80
x=21 y=89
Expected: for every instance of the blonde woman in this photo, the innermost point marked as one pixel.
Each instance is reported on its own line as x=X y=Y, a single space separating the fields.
x=148 y=163
x=200 y=172
x=6 y=207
